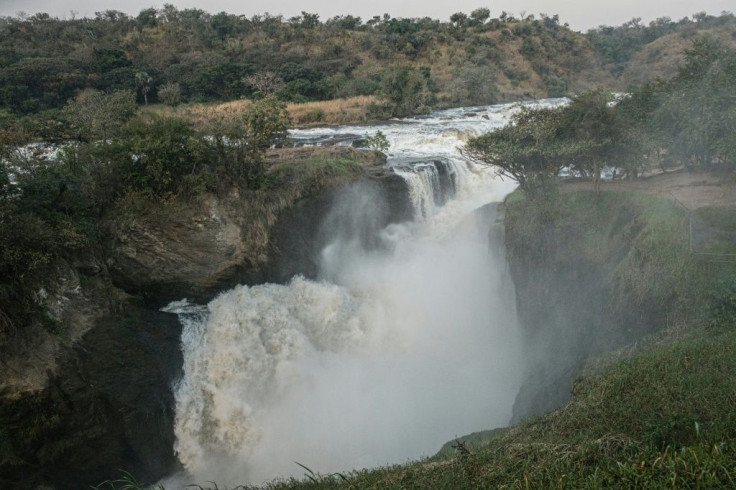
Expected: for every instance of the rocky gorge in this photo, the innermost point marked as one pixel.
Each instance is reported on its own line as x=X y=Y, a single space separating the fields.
x=96 y=397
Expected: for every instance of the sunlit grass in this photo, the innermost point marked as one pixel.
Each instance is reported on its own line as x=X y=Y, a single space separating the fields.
x=337 y=111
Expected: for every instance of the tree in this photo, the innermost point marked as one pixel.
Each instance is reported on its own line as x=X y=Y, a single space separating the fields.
x=474 y=85
x=264 y=83
x=407 y=91
x=96 y=115
x=143 y=82
x=699 y=112
x=170 y=94
x=593 y=138
x=525 y=150
x=158 y=153
x=480 y=15
x=241 y=142
x=459 y=19
x=377 y=141
x=586 y=135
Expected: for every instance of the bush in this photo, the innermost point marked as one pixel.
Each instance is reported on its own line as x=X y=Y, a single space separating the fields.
x=377 y=141
x=408 y=91
x=170 y=94
x=158 y=152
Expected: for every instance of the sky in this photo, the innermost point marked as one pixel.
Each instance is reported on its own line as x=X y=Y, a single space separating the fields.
x=579 y=14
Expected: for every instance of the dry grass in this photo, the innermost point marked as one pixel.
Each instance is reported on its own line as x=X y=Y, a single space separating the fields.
x=338 y=111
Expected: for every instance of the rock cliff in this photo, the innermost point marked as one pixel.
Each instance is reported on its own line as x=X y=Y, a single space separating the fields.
x=78 y=405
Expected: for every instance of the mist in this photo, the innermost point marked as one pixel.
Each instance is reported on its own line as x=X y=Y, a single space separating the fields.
x=408 y=340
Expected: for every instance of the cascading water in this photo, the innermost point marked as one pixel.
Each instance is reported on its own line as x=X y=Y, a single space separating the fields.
x=395 y=351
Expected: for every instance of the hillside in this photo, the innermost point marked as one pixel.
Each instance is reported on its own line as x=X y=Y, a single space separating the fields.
x=174 y=56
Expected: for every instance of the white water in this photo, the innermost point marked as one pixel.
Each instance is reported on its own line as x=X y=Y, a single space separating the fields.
x=393 y=353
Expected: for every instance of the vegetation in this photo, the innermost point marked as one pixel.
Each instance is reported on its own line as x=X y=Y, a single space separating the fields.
x=176 y=56
x=689 y=120
x=619 y=45
x=52 y=207
x=660 y=417
x=377 y=141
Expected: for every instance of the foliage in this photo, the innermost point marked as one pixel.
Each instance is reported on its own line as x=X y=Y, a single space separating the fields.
x=143 y=81
x=377 y=141
x=584 y=136
x=699 y=108
x=595 y=135
x=690 y=119
x=157 y=154
x=407 y=91
x=95 y=115
x=240 y=142
x=126 y=482
x=525 y=150
x=169 y=94
x=45 y=61
x=474 y=85
x=45 y=213
x=265 y=83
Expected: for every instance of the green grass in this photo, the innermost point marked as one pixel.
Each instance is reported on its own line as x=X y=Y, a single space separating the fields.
x=312 y=173
x=714 y=230
x=640 y=241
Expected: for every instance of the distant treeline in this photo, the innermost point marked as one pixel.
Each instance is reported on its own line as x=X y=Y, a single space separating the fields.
x=170 y=55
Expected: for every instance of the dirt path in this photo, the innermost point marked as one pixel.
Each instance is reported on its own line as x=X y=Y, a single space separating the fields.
x=693 y=189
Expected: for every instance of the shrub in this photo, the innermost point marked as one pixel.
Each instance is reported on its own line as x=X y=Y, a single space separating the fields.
x=170 y=94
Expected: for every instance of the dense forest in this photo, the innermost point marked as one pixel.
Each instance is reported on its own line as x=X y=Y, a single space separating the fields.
x=170 y=56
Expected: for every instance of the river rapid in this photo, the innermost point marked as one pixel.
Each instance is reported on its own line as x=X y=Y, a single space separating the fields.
x=396 y=349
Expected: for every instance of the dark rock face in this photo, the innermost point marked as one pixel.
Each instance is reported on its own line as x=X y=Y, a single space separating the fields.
x=306 y=227
x=562 y=309
x=182 y=251
x=197 y=251
x=109 y=407
x=447 y=182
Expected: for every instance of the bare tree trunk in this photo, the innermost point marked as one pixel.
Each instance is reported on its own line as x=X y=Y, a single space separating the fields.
x=596 y=176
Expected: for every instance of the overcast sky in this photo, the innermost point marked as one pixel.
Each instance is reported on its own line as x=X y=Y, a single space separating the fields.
x=580 y=14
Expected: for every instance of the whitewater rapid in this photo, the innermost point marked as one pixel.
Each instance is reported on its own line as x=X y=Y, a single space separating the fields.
x=394 y=351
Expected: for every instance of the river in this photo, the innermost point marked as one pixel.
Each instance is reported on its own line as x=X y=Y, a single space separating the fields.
x=395 y=350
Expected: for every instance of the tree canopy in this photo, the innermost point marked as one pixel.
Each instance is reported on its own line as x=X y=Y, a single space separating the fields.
x=689 y=120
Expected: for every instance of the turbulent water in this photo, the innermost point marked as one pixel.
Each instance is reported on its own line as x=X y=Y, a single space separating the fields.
x=395 y=351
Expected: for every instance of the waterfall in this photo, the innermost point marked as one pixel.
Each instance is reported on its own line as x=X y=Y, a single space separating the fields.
x=396 y=350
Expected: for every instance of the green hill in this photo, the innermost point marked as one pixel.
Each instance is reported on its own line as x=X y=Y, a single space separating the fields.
x=170 y=55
